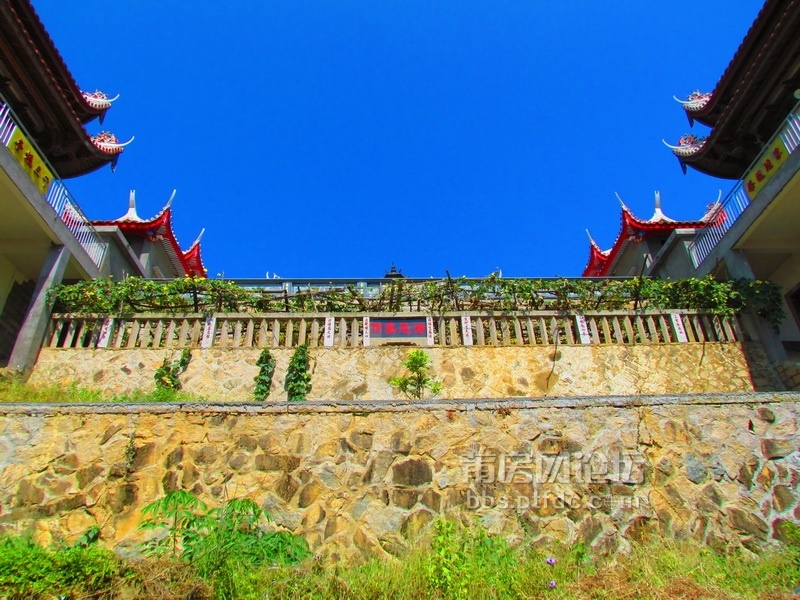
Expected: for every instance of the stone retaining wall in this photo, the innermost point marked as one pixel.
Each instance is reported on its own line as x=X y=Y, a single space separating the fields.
x=363 y=481
x=475 y=372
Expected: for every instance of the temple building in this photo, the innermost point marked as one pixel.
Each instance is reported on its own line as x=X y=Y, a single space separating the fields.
x=754 y=232
x=45 y=238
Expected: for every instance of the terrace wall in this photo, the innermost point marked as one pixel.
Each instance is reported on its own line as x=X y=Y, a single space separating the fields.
x=361 y=481
x=344 y=373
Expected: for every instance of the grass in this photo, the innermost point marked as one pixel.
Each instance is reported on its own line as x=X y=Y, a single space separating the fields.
x=14 y=388
x=457 y=563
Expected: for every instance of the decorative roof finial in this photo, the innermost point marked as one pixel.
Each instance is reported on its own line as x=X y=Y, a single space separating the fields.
x=621 y=203
x=199 y=237
x=658 y=215
x=131 y=215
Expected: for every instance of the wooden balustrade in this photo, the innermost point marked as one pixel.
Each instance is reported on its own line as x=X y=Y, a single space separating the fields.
x=289 y=330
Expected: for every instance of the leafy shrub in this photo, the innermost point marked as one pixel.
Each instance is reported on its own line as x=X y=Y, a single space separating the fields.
x=223 y=544
x=298 y=379
x=414 y=385
x=263 y=380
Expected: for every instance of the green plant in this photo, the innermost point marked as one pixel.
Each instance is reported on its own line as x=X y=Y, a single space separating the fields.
x=298 y=379
x=263 y=380
x=414 y=385
x=223 y=545
x=167 y=376
x=29 y=571
x=180 y=515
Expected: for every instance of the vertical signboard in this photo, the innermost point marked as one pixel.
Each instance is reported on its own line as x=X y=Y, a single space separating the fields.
x=208 y=332
x=329 y=328
x=583 y=329
x=105 y=333
x=429 y=327
x=466 y=330
x=365 y=328
x=677 y=324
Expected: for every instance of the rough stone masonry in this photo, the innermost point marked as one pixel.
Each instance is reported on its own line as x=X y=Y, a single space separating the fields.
x=365 y=480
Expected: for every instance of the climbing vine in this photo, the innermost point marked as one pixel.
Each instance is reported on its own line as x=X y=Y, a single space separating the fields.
x=266 y=365
x=195 y=294
x=298 y=379
x=167 y=376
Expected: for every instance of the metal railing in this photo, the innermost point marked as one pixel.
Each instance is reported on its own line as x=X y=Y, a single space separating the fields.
x=737 y=201
x=466 y=328
x=57 y=196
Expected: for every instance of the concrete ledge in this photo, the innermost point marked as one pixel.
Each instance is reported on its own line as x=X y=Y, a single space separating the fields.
x=392 y=406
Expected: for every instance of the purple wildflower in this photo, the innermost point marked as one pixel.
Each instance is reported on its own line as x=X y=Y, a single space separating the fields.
x=552 y=584
x=551 y=561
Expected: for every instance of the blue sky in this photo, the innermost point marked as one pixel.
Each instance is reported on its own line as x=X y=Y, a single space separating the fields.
x=327 y=139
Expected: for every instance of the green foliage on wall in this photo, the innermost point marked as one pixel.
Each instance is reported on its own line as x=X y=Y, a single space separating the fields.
x=266 y=365
x=167 y=376
x=189 y=294
x=298 y=379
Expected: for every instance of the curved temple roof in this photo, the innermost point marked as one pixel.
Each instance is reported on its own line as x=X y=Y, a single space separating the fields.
x=601 y=262
x=159 y=229
x=42 y=92
x=753 y=96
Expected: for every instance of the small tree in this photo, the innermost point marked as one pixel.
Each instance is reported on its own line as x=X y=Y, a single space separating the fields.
x=414 y=385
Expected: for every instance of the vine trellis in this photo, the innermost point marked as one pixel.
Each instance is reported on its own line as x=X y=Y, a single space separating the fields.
x=198 y=295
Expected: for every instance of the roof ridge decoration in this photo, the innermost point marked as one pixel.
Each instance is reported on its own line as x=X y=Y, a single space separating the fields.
x=98 y=99
x=658 y=215
x=108 y=142
x=694 y=101
x=131 y=216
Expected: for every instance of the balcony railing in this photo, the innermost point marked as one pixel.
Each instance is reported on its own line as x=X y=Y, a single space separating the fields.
x=737 y=200
x=57 y=196
x=289 y=330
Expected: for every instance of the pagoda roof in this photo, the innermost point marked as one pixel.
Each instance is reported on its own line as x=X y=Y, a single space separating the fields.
x=602 y=262
x=753 y=96
x=45 y=97
x=159 y=230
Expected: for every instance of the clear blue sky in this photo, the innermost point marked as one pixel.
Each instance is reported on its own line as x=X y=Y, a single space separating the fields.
x=326 y=139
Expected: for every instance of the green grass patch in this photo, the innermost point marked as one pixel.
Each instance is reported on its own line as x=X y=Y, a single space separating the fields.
x=226 y=554
x=14 y=388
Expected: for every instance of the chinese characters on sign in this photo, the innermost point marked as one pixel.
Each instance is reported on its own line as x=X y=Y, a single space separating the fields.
x=208 y=332
x=772 y=158
x=412 y=330
x=583 y=329
x=466 y=328
x=30 y=160
x=365 y=329
x=329 y=326
x=680 y=331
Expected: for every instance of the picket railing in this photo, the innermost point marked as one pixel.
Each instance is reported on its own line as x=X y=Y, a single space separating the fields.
x=289 y=330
